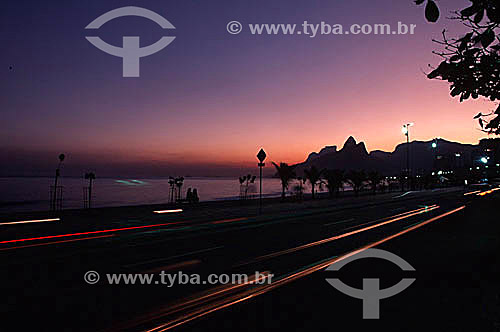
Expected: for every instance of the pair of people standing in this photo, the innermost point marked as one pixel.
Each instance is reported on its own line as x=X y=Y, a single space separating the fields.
x=192 y=196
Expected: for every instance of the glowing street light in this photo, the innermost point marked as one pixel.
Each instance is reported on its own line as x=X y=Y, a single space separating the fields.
x=434 y=146
x=484 y=160
x=435 y=143
x=406 y=128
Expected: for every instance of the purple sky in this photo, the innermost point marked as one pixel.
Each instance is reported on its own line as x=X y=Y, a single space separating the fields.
x=206 y=104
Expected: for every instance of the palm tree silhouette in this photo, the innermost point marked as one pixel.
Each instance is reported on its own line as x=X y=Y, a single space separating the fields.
x=374 y=178
x=179 y=182
x=286 y=174
x=245 y=182
x=171 y=182
x=299 y=188
x=313 y=175
x=357 y=180
x=334 y=180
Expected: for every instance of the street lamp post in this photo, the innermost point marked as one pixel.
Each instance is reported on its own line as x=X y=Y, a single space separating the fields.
x=261 y=156
x=53 y=204
x=434 y=147
x=89 y=176
x=406 y=131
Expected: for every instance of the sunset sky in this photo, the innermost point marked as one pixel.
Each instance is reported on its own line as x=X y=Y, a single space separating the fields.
x=210 y=100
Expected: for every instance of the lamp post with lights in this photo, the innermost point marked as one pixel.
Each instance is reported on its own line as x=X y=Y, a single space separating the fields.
x=57 y=192
x=434 y=146
x=406 y=131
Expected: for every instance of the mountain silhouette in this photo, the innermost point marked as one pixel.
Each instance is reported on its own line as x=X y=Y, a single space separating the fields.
x=354 y=156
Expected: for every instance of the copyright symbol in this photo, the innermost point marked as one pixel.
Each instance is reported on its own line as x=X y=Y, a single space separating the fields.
x=91 y=277
x=234 y=27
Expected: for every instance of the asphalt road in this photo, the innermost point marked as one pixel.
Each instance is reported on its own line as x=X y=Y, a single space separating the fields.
x=44 y=264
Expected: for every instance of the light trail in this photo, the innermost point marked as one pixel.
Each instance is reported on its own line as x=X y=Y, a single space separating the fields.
x=191 y=302
x=224 y=303
x=28 y=221
x=487 y=192
x=168 y=211
x=157 y=260
x=394 y=216
x=340 y=222
x=88 y=233
x=316 y=243
x=113 y=230
x=472 y=192
x=57 y=242
x=174 y=267
x=227 y=220
x=403 y=195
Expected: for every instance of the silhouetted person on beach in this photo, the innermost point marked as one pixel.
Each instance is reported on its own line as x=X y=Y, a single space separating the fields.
x=196 y=199
x=189 y=196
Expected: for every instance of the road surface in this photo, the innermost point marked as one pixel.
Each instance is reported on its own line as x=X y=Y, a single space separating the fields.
x=289 y=245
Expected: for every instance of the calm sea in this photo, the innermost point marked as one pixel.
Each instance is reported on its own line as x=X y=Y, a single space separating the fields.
x=32 y=194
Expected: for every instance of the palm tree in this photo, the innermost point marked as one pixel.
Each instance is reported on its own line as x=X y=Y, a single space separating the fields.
x=313 y=175
x=171 y=182
x=299 y=188
x=356 y=179
x=245 y=182
x=179 y=182
x=334 y=180
x=374 y=178
x=286 y=173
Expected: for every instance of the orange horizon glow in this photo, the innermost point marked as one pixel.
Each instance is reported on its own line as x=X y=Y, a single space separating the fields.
x=290 y=96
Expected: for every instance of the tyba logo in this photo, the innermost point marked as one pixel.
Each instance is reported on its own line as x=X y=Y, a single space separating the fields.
x=130 y=52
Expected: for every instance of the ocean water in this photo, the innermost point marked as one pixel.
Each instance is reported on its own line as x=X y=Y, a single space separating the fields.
x=33 y=194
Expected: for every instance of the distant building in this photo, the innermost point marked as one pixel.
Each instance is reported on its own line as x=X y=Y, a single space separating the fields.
x=489 y=148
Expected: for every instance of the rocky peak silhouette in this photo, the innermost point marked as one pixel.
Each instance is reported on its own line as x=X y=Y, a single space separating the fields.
x=354 y=156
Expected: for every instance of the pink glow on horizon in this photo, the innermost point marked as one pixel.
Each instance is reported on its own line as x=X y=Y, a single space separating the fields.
x=218 y=103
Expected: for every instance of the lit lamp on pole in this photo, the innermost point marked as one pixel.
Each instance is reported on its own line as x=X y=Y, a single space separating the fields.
x=261 y=156
x=434 y=146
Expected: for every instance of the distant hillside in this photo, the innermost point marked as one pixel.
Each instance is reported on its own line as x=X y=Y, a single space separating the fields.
x=354 y=156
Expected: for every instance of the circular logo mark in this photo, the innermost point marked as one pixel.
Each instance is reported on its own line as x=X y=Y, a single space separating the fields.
x=234 y=27
x=91 y=277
